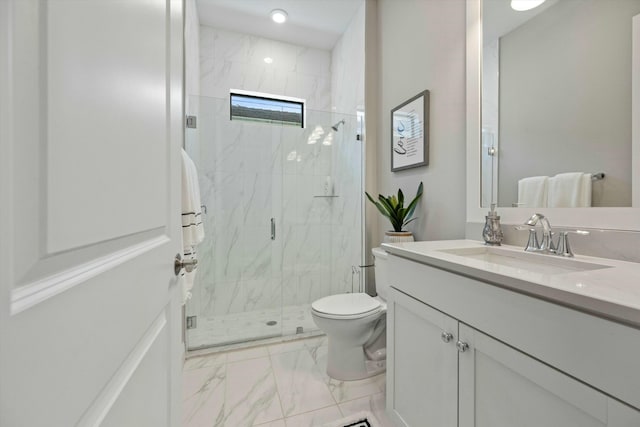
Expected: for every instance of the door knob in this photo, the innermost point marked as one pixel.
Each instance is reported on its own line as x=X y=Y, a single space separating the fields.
x=188 y=264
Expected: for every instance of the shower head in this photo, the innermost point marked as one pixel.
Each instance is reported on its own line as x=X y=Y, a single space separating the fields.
x=335 y=127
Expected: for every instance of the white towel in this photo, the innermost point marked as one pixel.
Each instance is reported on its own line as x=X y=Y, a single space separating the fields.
x=584 y=198
x=532 y=192
x=192 y=228
x=570 y=190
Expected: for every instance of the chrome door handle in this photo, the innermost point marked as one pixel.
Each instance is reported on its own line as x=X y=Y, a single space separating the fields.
x=188 y=264
x=446 y=336
x=462 y=346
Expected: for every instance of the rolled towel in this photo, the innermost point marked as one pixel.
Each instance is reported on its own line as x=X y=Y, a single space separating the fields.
x=532 y=192
x=569 y=190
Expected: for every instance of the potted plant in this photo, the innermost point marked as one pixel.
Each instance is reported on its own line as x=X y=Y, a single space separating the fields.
x=393 y=208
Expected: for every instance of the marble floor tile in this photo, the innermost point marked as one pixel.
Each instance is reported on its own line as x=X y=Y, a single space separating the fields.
x=319 y=356
x=251 y=394
x=286 y=347
x=203 y=396
x=246 y=354
x=205 y=361
x=274 y=385
x=276 y=423
x=315 y=418
x=301 y=386
x=349 y=390
x=374 y=404
x=315 y=342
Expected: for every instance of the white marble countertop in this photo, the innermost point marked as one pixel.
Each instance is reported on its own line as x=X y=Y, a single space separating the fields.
x=612 y=291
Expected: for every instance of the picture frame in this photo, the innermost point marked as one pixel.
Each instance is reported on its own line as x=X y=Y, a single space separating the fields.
x=410 y=133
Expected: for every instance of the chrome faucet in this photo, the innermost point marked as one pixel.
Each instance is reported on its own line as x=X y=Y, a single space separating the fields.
x=546 y=245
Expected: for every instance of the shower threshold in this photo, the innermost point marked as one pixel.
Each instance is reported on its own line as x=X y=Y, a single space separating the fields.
x=248 y=329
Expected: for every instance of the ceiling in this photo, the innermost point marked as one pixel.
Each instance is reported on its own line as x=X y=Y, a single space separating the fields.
x=498 y=18
x=313 y=23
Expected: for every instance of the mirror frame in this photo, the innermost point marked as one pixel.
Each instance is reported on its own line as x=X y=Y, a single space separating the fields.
x=599 y=218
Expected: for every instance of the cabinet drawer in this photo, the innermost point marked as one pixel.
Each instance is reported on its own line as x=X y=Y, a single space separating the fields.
x=600 y=352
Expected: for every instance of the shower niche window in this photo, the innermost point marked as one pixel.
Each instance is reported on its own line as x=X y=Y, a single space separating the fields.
x=264 y=108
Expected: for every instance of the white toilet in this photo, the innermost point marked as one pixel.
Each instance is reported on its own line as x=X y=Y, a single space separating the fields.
x=356 y=327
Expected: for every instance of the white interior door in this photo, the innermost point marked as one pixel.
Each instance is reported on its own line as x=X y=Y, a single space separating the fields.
x=90 y=133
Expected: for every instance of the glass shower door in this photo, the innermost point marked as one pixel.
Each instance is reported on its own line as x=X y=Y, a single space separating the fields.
x=283 y=222
x=238 y=292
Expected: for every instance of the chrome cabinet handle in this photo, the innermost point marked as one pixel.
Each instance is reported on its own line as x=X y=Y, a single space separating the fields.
x=273 y=229
x=188 y=264
x=446 y=336
x=462 y=346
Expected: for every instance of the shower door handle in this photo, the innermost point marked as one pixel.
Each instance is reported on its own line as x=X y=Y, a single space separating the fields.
x=273 y=229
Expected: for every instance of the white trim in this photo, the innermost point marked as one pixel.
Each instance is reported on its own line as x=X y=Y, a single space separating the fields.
x=36 y=292
x=598 y=218
x=474 y=123
x=110 y=393
x=266 y=95
x=635 y=110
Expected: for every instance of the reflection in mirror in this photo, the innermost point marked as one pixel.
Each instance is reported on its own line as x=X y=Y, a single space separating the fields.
x=557 y=103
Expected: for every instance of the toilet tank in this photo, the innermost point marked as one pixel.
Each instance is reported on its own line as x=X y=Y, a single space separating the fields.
x=383 y=281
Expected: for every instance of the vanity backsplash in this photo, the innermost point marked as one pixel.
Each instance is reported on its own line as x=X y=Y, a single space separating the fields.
x=612 y=244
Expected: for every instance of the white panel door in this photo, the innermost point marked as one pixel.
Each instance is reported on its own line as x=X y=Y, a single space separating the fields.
x=90 y=133
x=502 y=387
x=422 y=368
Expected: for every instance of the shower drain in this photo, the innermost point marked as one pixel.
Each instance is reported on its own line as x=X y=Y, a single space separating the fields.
x=272 y=323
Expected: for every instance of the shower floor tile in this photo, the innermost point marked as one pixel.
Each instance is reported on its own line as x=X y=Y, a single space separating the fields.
x=250 y=326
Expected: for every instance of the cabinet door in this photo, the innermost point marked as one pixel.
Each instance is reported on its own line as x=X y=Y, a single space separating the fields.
x=421 y=367
x=502 y=387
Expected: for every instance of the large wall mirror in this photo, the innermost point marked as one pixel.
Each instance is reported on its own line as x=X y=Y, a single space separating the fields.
x=553 y=102
x=557 y=103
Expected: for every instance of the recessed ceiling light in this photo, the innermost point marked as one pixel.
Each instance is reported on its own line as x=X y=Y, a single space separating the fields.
x=268 y=60
x=522 y=5
x=278 y=15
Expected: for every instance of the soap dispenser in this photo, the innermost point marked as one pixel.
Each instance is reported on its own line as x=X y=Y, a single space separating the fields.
x=492 y=233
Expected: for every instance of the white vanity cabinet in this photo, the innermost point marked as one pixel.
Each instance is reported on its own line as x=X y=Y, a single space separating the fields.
x=422 y=368
x=511 y=361
x=503 y=387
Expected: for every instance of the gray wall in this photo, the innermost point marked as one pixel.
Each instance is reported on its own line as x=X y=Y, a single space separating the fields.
x=422 y=46
x=575 y=115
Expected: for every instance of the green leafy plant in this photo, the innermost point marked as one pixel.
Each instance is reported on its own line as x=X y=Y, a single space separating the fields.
x=393 y=208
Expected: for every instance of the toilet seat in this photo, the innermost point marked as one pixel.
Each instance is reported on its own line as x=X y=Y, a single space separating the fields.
x=346 y=306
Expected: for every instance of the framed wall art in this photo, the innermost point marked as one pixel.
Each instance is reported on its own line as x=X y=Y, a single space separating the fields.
x=410 y=133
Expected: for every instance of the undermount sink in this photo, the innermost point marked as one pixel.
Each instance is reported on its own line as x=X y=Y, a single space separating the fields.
x=533 y=262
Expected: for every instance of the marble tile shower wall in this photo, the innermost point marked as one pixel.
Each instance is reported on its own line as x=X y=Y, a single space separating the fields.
x=230 y=60
x=347 y=94
x=251 y=172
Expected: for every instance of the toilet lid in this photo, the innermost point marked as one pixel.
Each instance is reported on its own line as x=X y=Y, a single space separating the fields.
x=346 y=304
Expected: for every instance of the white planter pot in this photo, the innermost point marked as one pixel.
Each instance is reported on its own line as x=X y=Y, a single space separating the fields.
x=398 y=236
